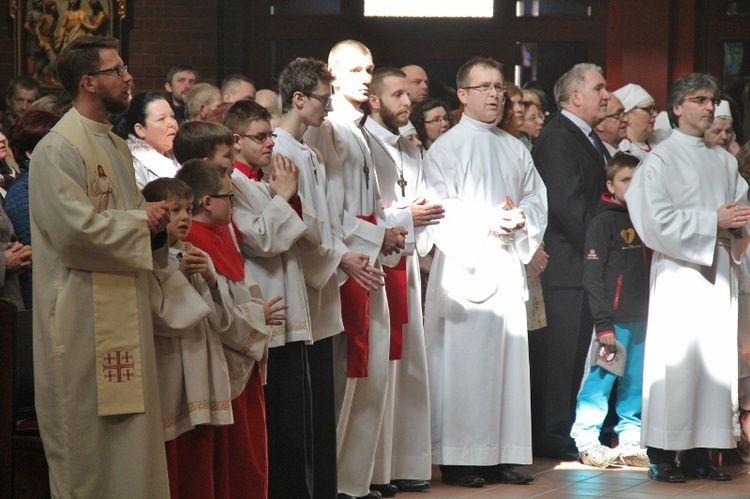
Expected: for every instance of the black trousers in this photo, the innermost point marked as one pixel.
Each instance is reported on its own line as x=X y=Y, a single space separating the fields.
x=557 y=356
x=301 y=421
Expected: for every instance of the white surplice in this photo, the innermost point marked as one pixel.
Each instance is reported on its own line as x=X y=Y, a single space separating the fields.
x=352 y=191
x=89 y=455
x=188 y=320
x=475 y=316
x=404 y=449
x=270 y=229
x=321 y=258
x=690 y=364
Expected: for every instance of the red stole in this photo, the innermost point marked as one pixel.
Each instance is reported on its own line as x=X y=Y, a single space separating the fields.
x=355 y=312
x=396 y=290
x=218 y=242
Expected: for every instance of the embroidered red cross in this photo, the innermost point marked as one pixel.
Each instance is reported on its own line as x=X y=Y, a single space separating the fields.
x=118 y=366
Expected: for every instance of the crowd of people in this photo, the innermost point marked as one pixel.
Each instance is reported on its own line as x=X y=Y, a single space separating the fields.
x=325 y=289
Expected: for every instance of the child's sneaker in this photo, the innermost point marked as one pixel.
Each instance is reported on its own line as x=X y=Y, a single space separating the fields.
x=599 y=456
x=631 y=454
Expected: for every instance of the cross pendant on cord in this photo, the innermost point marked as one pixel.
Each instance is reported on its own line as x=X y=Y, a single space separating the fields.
x=402 y=183
x=367 y=175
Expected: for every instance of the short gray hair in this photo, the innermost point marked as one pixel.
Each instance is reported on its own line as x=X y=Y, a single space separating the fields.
x=687 y=85
x=574 y=79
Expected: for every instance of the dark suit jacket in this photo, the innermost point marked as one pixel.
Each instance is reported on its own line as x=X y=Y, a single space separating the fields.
x=573 y=172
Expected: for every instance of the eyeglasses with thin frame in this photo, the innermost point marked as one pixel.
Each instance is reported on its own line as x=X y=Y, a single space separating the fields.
x=536 y=117
x=485 y=89
x=228 y=197
x=702 y=100
x=438 y=121
x=649 y=109
x=618 y=115
x=326 y=100
x=118 y=70
x=260 y=138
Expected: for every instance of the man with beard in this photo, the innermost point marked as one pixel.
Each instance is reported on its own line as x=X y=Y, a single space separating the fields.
x=475 y=315
x=354 y=199
x=570 y=157
x=688 y=203
x=97 y=394
x=404 y=457
x=614 y=127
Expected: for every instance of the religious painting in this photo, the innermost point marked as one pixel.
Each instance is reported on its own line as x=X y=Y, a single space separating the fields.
x=44 y=27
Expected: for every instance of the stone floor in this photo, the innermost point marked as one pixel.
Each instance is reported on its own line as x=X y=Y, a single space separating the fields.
x=563 y=480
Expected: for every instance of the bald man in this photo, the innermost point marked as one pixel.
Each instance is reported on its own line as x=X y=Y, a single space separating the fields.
x=419 y=84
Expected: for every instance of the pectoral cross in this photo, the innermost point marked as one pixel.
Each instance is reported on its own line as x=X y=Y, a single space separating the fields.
x=366 y=171
x=402 y=183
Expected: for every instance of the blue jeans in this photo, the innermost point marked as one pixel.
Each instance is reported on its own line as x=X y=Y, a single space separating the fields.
x=593 y=398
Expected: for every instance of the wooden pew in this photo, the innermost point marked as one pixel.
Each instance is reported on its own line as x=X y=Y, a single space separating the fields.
x=23 y=467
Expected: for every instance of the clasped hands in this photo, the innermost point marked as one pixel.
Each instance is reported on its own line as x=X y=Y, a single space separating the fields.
x=513 y=218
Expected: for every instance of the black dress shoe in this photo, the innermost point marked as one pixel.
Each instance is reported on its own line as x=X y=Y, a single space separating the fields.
x=707 y=471
x=666 y=472
x=502 y=473
x=385 y=489
x=373 y=494
x=461 y=476
x=411 y=485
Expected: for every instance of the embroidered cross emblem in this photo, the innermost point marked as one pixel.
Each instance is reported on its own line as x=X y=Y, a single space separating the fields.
x=118 y=366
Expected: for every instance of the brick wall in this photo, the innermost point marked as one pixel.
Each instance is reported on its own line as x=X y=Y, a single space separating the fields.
x=165 y=33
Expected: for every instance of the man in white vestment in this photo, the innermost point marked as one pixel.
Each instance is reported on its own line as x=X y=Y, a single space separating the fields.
x=404 y=451
x=353 y=198
x=689 y=204
x=477 y=347
x=305 y=88
x=97 y=396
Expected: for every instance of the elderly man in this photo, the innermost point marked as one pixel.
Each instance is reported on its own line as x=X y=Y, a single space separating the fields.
x=477 y=345
x=97 y=396
x=689 y=204
x=614 y=128
x=201 y=100
x=570 y=157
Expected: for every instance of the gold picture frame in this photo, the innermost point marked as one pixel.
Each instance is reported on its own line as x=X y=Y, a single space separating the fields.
x=41 y=28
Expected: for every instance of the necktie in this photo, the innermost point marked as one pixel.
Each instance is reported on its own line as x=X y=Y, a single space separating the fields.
x=599 y=146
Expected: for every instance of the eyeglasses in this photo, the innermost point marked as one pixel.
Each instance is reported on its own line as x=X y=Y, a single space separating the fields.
x=323 y=99
x=437 y=121
x=536 y=117
x=618 y=115
x=118 y=70
x=702 y=100
x=261 y=138
x=648 y=109
x=485 y=89
x=228 y=197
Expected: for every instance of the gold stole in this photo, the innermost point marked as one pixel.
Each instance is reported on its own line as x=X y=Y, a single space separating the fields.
x=116 y=326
